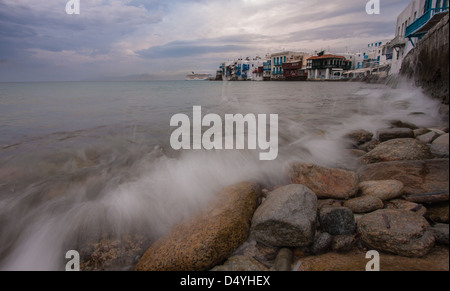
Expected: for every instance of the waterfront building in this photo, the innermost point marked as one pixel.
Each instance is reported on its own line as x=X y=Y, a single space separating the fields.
x=412 y=24
x=267 y=69
x=327 y=67
x=278 y=59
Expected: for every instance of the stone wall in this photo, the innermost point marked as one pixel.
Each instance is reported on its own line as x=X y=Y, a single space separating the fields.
x=428 y=63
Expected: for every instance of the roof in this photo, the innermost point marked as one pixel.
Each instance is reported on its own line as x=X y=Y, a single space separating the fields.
x=327 y=57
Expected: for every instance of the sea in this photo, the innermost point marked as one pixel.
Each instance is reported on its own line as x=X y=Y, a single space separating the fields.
x=85 y=160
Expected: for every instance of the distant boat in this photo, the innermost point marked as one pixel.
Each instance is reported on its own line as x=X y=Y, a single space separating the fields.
x=198 y=77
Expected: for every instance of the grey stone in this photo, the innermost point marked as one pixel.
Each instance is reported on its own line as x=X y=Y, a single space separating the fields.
x=403 y=124
x=364 y=204
x=394 y=133
x=442 y=140
x=441 y=233
x=322 y=242
x=241 y=264
x=284 y=259
x=360 y=136
x=287 y=218
x=343 y=243
x=421 y=131
x=337 y=220
x=439 y=151
x=428 y=137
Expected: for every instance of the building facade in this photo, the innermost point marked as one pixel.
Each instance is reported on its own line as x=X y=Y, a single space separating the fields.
x=327 y=67
x=412 y=24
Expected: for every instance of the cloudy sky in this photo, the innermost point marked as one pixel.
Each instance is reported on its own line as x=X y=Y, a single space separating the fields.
x=39 y=41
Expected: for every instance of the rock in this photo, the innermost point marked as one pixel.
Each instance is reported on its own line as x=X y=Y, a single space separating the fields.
x=403 y=124
x=209 y=238
x=421 y=131
x=241 y=264
x=287 y=218
x=396 y=231
x=360 y=136
x=438 y=131
x=394 y=133
x=442 y=140
x=439 y=151
x=398 y=150
x=436 y=260
x=356 y=153
x=428 y=197
x=419 y=177
x=428 y=137
x=284 y=259
x=343 y=243
x=406 y=205
x=438 y=212
x=260 y=252
x=322 y=243
x=382 y=189
x=337 y=220
x=325 y=183
x=441 y=233
x=109 y=254
x=368 y=146
x=330 y=203
x=364 y=204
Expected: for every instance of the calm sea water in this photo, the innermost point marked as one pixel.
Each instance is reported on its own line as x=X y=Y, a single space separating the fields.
x=84 y=160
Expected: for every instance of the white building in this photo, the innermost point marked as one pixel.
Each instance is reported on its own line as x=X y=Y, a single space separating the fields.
x=412 y=24
x=278 y=59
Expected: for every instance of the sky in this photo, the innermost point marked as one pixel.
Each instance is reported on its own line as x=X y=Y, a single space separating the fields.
x=168 y=39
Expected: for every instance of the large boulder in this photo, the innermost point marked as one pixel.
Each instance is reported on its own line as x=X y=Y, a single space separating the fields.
x=442 y=140
x=209 y=238
x=396 y=231
x=419 y=177
x=326 y=183
x=287 y=218
x=398 y=150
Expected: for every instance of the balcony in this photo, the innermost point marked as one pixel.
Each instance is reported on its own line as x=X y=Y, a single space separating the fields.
x=425 y=22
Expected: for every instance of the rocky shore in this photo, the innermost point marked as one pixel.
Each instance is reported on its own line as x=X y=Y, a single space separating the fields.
x=395 y=201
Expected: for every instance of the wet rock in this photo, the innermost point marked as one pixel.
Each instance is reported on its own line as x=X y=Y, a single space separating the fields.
x=330 y=203
x=337 y=220
x=364 y=204
x=286 y=218
x=343 y=243
x=396 y=231
x=419 y=177
x=441 y=233
x=436 y=260
x=442 y=140
x=421 y=131
x=382 y=189
x=438 y=212
x=360 y=136
x=112 y=254
x=394 y=133
x=439 y=151
x=397 y=150
x=368 y=146
x=322 y=243
x=254 y=249
x=403 y=124
x=284 y=259
x=406 y=205
x=428 y=137
x=324 y=182
x=209 y=238
x=241 y=264
x=428 y=197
